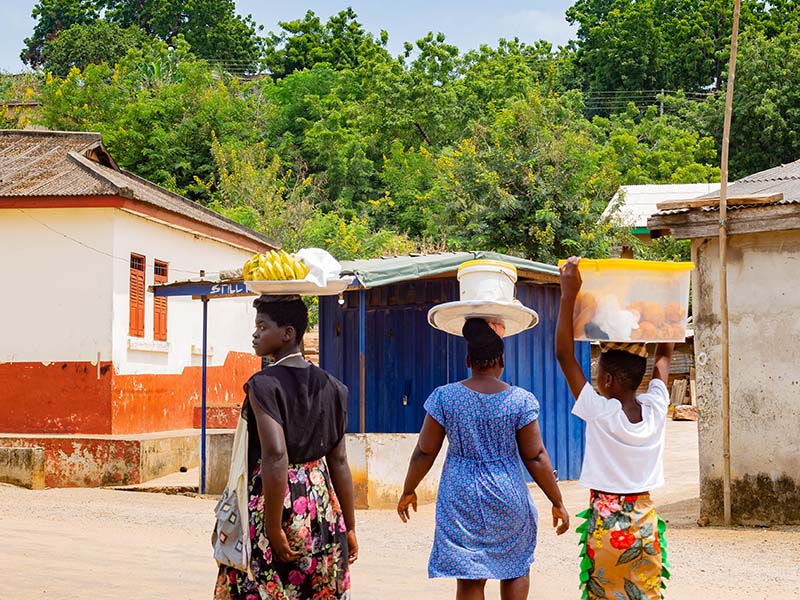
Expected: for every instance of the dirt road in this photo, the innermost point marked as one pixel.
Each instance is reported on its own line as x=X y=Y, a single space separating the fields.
x=95 y=544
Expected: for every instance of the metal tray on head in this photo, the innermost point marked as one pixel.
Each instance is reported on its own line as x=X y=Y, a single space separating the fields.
x=299 y=286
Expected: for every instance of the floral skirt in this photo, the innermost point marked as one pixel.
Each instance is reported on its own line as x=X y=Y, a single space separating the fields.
x=623 y=549
x=314 y=526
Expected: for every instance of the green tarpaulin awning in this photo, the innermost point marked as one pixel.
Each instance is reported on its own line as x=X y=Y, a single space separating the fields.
x=378 y=272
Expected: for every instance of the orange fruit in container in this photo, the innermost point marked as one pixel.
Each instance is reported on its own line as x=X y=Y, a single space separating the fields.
x=618 y=294
x=675 y=312
x=585 y=309
x=646 y=331
x=653 y=312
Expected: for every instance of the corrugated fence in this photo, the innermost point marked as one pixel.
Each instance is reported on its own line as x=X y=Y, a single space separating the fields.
x=406 y=359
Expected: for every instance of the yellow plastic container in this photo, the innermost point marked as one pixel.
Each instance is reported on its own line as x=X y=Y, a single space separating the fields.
x=626 y=300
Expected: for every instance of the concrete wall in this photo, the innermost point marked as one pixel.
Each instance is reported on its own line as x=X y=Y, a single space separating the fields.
x=764 y=307
x=105 y=460
x=23 y=467
x=219 y=445
x=162 y=455
x=378 y=463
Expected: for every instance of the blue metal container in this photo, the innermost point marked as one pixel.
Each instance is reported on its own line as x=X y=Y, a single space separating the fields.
x=405 y=359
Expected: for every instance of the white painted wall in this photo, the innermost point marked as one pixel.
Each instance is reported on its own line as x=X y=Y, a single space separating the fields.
x=230 y=320
x=55 y=295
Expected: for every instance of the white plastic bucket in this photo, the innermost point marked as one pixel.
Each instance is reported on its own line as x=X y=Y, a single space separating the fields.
x=487 y=280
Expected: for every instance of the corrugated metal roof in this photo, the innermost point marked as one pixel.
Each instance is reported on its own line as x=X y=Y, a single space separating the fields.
x=781 y=173
x=634 y=204
x=377 y=272
x=784 y=179
x=406 y=359
x=59 y=163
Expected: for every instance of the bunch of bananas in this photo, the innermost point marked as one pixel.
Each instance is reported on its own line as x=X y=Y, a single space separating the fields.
x=274 y=266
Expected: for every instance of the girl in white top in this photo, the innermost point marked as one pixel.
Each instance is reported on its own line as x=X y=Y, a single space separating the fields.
x=623 y=546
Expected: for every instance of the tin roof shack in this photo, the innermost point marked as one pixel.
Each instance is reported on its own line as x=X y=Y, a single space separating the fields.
x=764 y=305
x=384 y=319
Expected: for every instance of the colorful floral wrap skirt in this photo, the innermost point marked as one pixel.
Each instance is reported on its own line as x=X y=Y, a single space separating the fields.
x=623 y=549
x=314 y=526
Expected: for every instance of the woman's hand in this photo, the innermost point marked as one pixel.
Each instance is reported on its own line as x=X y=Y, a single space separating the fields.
x=352 y=546
x=280 y=546
x=570 y=278
x=560 y=514
x=406 y=500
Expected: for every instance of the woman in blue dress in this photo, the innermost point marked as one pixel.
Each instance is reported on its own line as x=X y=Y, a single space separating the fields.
x=485 y=517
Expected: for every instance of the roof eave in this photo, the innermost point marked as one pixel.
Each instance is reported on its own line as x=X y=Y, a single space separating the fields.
x=699 y=223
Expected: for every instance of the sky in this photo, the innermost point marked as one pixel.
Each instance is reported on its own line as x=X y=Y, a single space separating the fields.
x=465 y=23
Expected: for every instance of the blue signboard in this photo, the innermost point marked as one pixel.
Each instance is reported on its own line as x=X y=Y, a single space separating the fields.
x=203 y=288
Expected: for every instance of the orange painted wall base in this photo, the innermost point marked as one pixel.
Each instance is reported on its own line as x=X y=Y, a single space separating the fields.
x=219 y=416
x=62 y=397
x=143 y=403
x=80 y=398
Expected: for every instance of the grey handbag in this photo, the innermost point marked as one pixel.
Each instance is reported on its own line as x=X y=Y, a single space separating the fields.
x=231 y=536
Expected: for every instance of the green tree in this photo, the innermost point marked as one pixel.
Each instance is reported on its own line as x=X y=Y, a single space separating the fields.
x=493 y=75
x=765 y=126
x=52 y=17
x=14 y=89
x=635 y=45
x=528 y=182
x=85 y=44
x=251 y=187
x=158 y=111
x=211 y=27
x=766 y=110
x=643 y=147
x=348 y=239
x=408 y=203
x=301 y=44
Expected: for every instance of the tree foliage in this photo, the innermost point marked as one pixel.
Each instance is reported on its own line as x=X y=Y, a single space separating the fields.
x=157 y=110
x=211 y=27
x=90 y=43
x=301 y=44
x=53 y=17
x=346 y=147
x=765 y=129
x=665 y=44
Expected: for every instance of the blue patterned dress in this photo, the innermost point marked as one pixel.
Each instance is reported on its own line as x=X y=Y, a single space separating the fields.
x=485 y=517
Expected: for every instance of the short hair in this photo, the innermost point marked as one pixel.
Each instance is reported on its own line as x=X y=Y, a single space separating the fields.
x=285 y=312
x=484 y=346
x=628 y=369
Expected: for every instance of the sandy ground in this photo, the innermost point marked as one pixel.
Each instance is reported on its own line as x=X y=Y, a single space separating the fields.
x=96 y=544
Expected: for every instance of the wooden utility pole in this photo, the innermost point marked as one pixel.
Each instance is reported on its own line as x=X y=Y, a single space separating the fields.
x=723 y=275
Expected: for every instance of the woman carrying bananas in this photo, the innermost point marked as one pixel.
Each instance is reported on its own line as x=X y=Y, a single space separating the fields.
x=301 y=510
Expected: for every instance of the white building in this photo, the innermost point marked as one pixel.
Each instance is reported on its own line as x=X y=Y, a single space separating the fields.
x=632 y=205
x=86 y=349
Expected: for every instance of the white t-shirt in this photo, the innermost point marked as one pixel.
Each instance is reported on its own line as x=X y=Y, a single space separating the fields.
x=623 y=457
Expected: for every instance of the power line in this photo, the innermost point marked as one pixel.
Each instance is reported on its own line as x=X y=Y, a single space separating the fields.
x=104 y=253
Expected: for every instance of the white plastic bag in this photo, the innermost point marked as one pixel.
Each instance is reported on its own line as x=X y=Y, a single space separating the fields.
x=323 y=267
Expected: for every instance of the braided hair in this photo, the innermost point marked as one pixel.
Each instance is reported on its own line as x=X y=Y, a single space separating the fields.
x=484 y=346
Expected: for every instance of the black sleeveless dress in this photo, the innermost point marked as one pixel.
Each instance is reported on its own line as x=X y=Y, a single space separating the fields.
x=311 y=407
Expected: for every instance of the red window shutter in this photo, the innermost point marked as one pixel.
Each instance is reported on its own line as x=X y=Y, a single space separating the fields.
x=160 y=303
x=136 y=319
